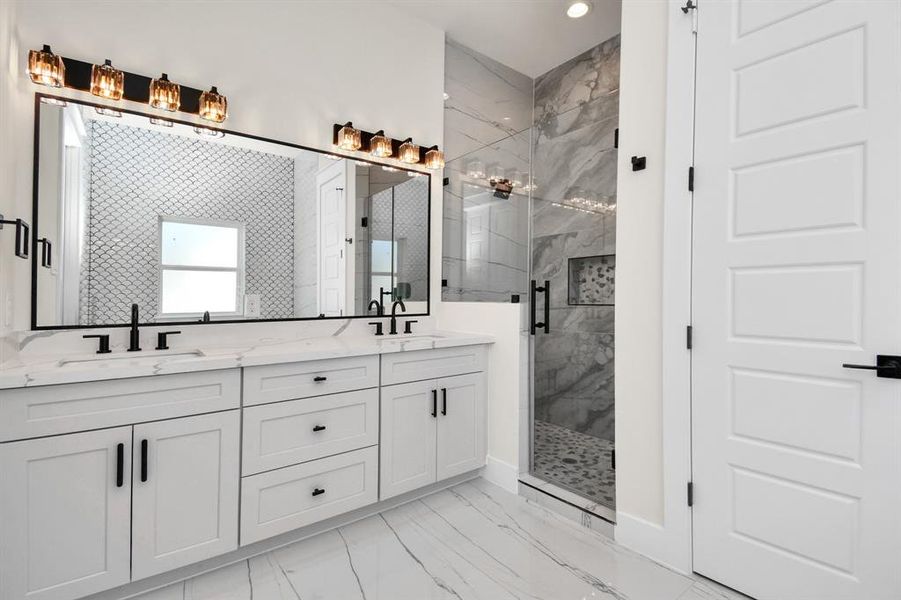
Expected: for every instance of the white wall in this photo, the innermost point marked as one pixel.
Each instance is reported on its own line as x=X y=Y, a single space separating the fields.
x=290 y=70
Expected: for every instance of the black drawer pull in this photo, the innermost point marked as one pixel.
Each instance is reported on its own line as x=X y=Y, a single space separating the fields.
x=435 y=403
x=318 y=491
x=143 y=461
x=444 y=401
x=319 y=428
x=120 y=465
x=320 y=378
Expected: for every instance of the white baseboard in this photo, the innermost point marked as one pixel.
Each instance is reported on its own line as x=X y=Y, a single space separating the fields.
x=501 y=474
x=648 y=539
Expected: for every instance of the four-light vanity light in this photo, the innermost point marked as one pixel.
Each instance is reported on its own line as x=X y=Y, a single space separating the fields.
x=113 y=85
x=350 y=139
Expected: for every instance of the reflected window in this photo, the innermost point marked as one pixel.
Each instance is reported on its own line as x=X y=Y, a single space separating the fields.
x=201 y=267
x=384 y=265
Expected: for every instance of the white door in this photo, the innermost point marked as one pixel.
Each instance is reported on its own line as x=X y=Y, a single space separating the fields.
x=331 y=187
x=185 y=506
x=797 y=257
x=64 y=515
x=461 y=424
x=407 y=446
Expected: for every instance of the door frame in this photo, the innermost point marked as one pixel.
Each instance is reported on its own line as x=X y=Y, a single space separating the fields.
x=670 y=542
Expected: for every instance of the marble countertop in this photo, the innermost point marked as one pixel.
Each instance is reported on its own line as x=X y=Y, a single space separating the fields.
x=76 y=368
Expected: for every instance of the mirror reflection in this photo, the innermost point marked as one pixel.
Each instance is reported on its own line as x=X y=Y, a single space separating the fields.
x=183 y=223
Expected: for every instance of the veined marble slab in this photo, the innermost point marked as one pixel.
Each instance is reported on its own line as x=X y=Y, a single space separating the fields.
x=471 y=542
x=50 y=370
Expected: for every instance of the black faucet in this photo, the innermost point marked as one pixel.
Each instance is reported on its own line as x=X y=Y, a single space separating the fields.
x=403 y=308
x=206 y=317
x=134 y=344
x=379 y=309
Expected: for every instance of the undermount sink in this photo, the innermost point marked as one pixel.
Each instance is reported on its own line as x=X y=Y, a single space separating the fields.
x=167 y=356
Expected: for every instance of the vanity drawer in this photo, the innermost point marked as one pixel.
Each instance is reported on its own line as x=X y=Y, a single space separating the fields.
x=278 y=501
x=287 y=433
x=420 y=365
x=54 y=409
x=272 y=383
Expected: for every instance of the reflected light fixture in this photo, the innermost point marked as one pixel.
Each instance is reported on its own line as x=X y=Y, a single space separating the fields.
x=164 y=94
x=434 y=158
x=107 y=112
x=209 y=132
x=408 y=152
x=46 y=68
x=515 y=177
x=380 y=145
x=578 y=8
x=107 y=81
x=475 y=169
x=349 y=138
x=213 y=106
x=495 y=173
x=161 y=122
x=390 y=169
x=54 y=101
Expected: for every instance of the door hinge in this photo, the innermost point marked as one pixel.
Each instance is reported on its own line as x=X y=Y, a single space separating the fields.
x=690 y=492
x=691 y=179
x=688 y=336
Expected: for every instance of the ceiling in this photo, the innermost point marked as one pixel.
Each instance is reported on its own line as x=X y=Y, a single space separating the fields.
x=531 y=36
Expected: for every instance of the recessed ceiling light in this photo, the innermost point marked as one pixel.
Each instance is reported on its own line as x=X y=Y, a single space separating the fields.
x=578 y=8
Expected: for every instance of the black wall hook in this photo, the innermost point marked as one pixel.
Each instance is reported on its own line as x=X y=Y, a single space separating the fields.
x=639 y=163
x=22 y=232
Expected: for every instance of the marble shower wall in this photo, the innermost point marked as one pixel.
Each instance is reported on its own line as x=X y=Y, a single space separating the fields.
x=487 y=120
x=576 y=115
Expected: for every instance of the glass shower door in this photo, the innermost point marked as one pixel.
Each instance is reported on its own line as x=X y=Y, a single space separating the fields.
x=571 y=319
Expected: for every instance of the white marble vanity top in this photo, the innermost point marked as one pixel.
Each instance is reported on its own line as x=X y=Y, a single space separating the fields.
x=74 y=368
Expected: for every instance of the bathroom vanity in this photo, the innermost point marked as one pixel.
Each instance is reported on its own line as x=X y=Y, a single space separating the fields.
x=116 y=470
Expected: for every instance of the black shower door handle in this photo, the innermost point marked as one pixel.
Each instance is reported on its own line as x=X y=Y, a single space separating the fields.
x=546 y=290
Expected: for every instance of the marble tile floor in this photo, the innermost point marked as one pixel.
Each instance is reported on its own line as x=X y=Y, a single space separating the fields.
x=471 y=542
x=576 y=461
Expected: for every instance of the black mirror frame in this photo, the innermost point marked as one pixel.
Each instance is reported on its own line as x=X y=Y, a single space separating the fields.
x=38 y=98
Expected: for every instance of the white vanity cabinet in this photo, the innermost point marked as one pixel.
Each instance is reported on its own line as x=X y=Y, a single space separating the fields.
x=84 y=512
x=434 y=429
x=65 y=508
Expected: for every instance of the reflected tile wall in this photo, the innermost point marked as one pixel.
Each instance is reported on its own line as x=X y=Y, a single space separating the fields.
x=488 y=118
x=576 y=115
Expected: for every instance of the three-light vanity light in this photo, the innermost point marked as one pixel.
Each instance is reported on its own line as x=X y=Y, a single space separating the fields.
x=350 y=139
x=113 y=85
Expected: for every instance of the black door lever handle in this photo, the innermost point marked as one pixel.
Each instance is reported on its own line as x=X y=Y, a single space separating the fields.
x=888 y=366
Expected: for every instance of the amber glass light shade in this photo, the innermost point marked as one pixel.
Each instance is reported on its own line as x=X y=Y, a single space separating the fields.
x=349 y=138
x=213 y=106
x=380 y=145
x=46 y=68
x=107 y=81
x=164 y=94
x=408 y=152
x=434 y=158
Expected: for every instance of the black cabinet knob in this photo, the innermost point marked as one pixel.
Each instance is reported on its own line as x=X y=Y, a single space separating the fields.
x=320 y=378
x=319 y=428
x=318 y=491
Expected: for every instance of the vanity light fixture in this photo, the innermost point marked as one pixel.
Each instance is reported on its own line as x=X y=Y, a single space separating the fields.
x=213 y=106
x=161 y=122
x=209 y=132
x=108 y=112
x=46 y=68
x=349 y=138
x=107 y=81
x=578 y=9
x=164 y=94
x=434 y=158
x=379 y=145
x=408 y=152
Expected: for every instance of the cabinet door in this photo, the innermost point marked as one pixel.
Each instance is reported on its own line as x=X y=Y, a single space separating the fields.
x=407 y=447
x=461 y=424
x=64 y=515
x=185 y=479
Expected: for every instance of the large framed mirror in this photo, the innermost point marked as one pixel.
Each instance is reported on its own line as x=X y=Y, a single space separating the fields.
x=129 y=209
